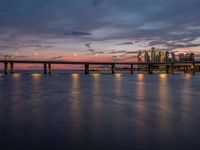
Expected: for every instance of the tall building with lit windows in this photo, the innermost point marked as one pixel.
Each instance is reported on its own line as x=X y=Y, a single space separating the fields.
x=154 y=56
x=146 y=56
x=170 y=56
x=140 y=56
x=190 y=57
x=162 y=56
x=182 y=57
x=186 y=57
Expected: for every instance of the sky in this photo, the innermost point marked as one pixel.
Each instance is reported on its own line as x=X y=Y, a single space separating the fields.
x=97 y=30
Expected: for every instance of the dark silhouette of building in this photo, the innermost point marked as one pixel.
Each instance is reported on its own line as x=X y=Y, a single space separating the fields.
x=186 y=57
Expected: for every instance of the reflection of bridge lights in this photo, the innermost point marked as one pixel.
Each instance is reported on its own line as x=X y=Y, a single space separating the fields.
x=36 y=76
x=96 y=75
x=118 y=76
x=140 y=76
x=163 y=76
x=16 y=76
x=75 y=75
x=187 y=76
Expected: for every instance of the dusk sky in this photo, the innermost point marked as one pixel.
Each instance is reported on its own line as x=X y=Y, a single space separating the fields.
x=97 y=29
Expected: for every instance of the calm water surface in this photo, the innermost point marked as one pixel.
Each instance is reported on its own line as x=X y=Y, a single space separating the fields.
x=112 y=112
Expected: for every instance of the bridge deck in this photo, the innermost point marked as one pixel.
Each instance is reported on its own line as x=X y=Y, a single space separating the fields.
x=94 y=63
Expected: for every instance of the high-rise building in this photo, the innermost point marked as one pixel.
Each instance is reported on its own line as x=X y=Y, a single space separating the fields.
x=170 y=57
x=190 y=57
x=155 y=56
x=162 y=55
x=186 y=57
x=140 y=56
x=182 y=57
x=146 y=56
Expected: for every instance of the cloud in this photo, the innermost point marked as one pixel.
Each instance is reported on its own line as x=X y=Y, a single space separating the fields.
x=95 y=52
x=77 y=33
x=87 y=45
x=126 y=43
x=174 y=44
x=132 y=52
x=160 y=22
x=57 y=57
x=91 y=50
x=117 y=51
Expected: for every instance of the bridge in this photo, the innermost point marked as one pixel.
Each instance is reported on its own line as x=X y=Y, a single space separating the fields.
x=169 y=66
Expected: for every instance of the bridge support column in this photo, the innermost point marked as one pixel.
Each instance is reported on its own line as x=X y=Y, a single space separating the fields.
x=5 y=68
x=172 y=68
x=45 y=68
x=113 y=68
x=186 y=69
x=131 y=68
x=194 y=68
x=49 y=68
x=167 y=69
x=11 y=68
x=150 y=69
x=87 y=66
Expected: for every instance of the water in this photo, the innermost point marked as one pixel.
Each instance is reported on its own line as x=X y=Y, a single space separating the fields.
x=111 y=112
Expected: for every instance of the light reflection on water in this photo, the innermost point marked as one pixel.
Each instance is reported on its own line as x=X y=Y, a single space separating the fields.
x=36 y=76
x=100 y=111
x=164 y=109
x=75 y=102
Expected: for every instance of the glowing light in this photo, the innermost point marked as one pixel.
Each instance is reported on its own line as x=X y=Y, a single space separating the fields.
x=163 y=76
x=16 y=53
x=140 y=76
x=187 y=76
x=16 y=76
x=36 y=76
x=96 y=75
x=118 y=76
x=75 y=54
x=36 y=54
x=75 y=75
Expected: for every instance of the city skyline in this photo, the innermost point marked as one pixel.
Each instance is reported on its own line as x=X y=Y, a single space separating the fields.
x=97 y=29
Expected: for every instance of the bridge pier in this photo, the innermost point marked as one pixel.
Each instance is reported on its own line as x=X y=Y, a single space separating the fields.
x=49 y=68
x=113 y=68
x=194 y=68
x=87 y=67
x=131 y=68
x=45 y=68
x=150 y=69
x=11 y=68
x=167 y=69
x=185 y=69
x=172 y=68
x=5 y=68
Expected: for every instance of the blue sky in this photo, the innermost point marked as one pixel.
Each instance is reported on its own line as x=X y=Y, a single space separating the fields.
x=107 y=29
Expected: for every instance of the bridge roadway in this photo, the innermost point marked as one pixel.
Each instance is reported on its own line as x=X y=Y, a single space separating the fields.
x=9 y=65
